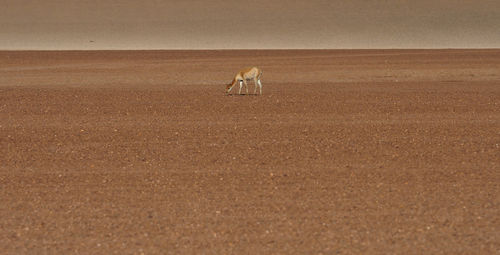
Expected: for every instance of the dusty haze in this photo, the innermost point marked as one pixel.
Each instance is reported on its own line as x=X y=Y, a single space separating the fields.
x=196 y=24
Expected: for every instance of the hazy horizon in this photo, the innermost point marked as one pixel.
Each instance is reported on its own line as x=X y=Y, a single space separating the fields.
x=274 y=24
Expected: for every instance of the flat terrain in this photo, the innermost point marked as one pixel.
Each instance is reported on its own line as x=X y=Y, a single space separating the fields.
x=350 y=152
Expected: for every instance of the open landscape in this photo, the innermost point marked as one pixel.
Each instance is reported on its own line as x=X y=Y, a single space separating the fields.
x=346 y=151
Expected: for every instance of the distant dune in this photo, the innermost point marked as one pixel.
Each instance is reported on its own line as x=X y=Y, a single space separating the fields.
x=218 y=24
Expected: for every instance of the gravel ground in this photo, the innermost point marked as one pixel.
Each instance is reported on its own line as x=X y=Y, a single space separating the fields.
x=350 y=152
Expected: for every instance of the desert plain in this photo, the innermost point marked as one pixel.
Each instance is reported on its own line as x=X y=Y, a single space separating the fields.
x=345 y=152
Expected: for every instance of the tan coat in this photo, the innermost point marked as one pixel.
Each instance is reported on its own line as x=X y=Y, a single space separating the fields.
x=251 y=73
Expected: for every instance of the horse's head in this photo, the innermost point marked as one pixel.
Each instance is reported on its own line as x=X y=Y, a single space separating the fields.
x=230 y=86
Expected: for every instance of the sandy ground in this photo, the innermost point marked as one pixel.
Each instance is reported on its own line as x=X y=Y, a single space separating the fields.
x=350 y=152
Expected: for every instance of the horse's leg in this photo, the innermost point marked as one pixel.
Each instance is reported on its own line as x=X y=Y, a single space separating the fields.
x=255 y=87
x=241 y=85
x=260 y=86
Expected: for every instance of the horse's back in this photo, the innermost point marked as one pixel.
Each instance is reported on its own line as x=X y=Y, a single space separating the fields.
x=250 y=72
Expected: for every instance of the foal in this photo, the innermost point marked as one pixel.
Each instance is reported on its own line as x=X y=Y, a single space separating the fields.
x=246 y=74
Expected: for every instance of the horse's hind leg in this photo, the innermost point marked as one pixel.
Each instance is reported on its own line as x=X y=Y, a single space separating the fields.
x=255 y=81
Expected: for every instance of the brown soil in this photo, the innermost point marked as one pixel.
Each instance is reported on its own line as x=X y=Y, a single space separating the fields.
x=350 y=152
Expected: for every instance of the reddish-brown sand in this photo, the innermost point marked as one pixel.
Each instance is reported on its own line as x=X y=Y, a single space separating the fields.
x=350 y=152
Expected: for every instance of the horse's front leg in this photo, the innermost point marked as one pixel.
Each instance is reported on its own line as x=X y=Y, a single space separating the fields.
x=241 y=85
x=246 y=85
